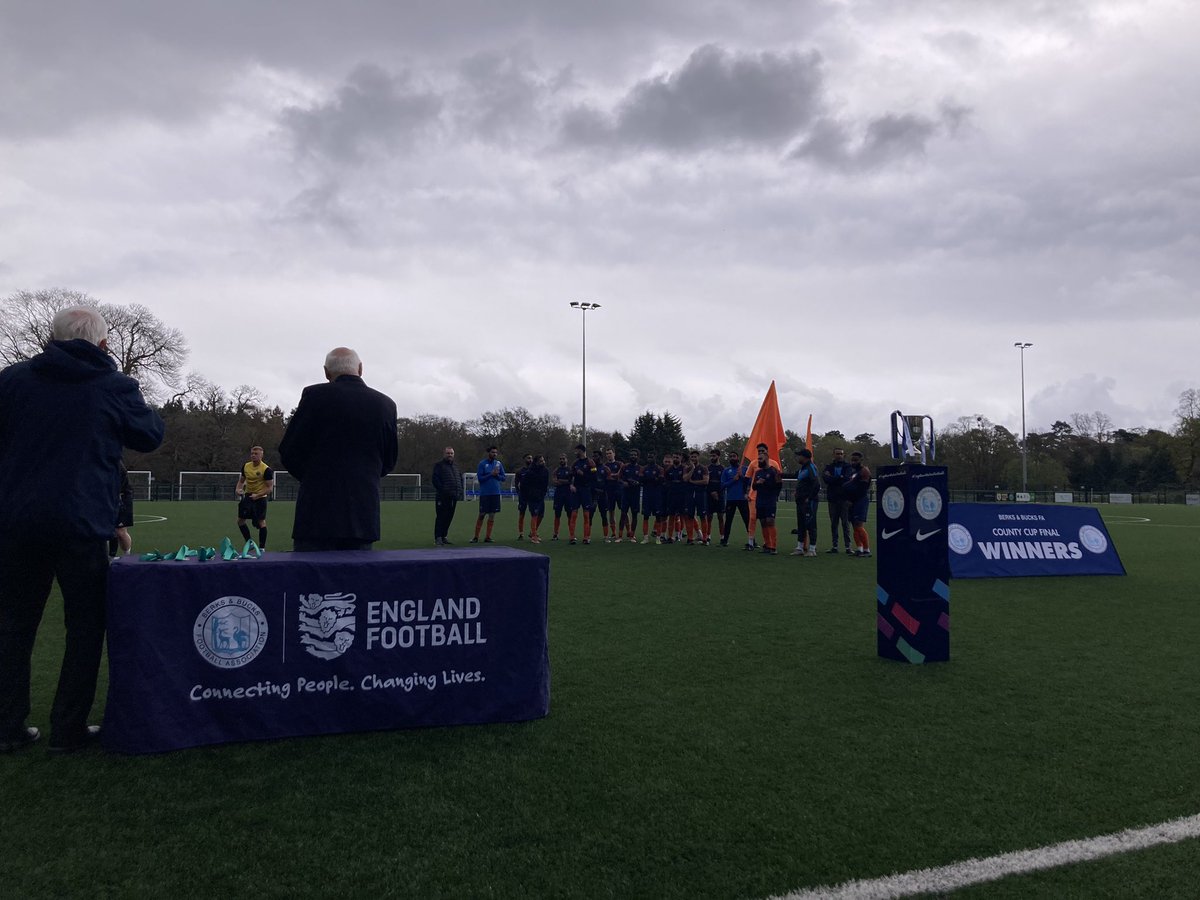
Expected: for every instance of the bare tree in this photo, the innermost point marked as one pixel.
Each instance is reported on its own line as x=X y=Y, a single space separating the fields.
x=25 y=319
x=142 y=345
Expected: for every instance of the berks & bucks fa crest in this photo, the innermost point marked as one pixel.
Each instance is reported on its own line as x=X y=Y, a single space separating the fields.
x=327 y=624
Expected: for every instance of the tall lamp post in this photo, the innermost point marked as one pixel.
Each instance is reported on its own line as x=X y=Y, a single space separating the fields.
x=584 y=308
x=1023 y=346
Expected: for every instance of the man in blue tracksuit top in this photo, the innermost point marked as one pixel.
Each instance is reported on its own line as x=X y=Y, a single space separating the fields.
x=734 y=481
x=490 y=476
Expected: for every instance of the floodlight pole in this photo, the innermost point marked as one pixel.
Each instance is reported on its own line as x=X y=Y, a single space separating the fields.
x=584 y=308
x=1023 y=346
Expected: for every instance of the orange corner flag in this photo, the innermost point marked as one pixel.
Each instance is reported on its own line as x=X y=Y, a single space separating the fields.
x=768 y=429
x=808 y=434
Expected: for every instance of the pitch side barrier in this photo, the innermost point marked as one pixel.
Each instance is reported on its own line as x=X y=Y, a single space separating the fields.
x=209 y=485
x=1084 y=496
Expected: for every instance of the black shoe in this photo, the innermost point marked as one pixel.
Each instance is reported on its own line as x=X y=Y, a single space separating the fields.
x=795 y=531
x=89 y=738
x=445 y=542
x=572 y=542
x=474 y=540
x=488 y=541
x=23 y=738
x=832 y=549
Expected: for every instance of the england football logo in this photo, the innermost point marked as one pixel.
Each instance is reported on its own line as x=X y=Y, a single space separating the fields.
x=327 y=623
x=230 y=632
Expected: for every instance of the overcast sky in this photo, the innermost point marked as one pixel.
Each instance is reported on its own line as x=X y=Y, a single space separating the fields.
x=868 y=201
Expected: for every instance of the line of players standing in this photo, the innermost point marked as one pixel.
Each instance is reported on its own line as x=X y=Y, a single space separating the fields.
x=679 y=499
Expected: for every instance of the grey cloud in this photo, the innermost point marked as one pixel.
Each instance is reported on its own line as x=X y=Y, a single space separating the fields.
x=372 y=111
x=887 y=139
x=324 y=208
x=716 y=99
x=502 y=96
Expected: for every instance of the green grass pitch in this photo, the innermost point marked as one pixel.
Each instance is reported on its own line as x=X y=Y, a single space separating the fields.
x=720 y=726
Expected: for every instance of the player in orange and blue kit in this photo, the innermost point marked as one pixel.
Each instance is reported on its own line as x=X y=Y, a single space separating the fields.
x=716 y=496
x=561 y=479
x=857 y=490
x=583 y=482
x=611 y=470
x=676 y=497
x=652 y=497
x=631 y=495
x=768 y=482
x=697 y=504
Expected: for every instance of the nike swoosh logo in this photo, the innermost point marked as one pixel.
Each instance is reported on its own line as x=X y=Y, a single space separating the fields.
x=891 y=534
x=921 y=535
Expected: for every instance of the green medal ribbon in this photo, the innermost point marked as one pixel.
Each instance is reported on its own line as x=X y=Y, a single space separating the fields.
x=204 y=554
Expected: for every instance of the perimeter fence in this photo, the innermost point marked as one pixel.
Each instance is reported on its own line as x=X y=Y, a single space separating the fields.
x=411 y=486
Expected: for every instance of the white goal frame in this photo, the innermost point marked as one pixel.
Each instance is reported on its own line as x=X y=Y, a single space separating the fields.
x=141 y=491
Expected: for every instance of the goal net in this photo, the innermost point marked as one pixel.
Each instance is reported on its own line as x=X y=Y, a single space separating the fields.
x=393 y=486
x=207 y=485
x=140 y=483
x=471 y=486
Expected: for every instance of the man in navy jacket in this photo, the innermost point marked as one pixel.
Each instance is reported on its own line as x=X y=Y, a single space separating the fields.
x=65 y=416
x=339 y=443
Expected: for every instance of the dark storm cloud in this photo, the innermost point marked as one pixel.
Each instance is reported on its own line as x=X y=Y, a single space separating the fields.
x=373 y=110
x=716 y=99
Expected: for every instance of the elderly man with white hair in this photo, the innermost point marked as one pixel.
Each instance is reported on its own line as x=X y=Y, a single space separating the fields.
x=65 y=417
x=339 y=443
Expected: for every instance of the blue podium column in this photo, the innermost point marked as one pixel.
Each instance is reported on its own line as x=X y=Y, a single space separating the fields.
x=913 y=564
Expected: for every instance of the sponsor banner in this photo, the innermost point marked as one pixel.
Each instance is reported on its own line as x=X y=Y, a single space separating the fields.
x=1120 y=498
x=1024 y=497
x=319 y=643
x=1064 y=497
x=1192 y=499
x=989 y=540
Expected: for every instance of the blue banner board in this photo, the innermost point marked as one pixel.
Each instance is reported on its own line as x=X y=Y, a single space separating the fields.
x=912 y=590
x=319 y=643
x=994 y=540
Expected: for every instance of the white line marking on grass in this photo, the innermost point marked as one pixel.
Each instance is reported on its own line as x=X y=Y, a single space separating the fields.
x=978 y=871
x=1132 y=520
x=139 y=519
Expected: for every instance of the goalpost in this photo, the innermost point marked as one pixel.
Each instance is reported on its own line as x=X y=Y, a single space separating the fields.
x=207 y=485
x=141 y=482
x=198 y=485
x=471 y=486
x=393 y=486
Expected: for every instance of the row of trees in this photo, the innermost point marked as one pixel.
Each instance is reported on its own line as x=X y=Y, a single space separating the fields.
x=211 y=429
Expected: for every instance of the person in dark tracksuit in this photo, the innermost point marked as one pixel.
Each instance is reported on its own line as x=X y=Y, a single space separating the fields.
x=835 y=474
x=808 y=492
x=448 y=491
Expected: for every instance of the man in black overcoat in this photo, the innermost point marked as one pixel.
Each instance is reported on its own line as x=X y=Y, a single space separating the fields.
x=339 y=443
